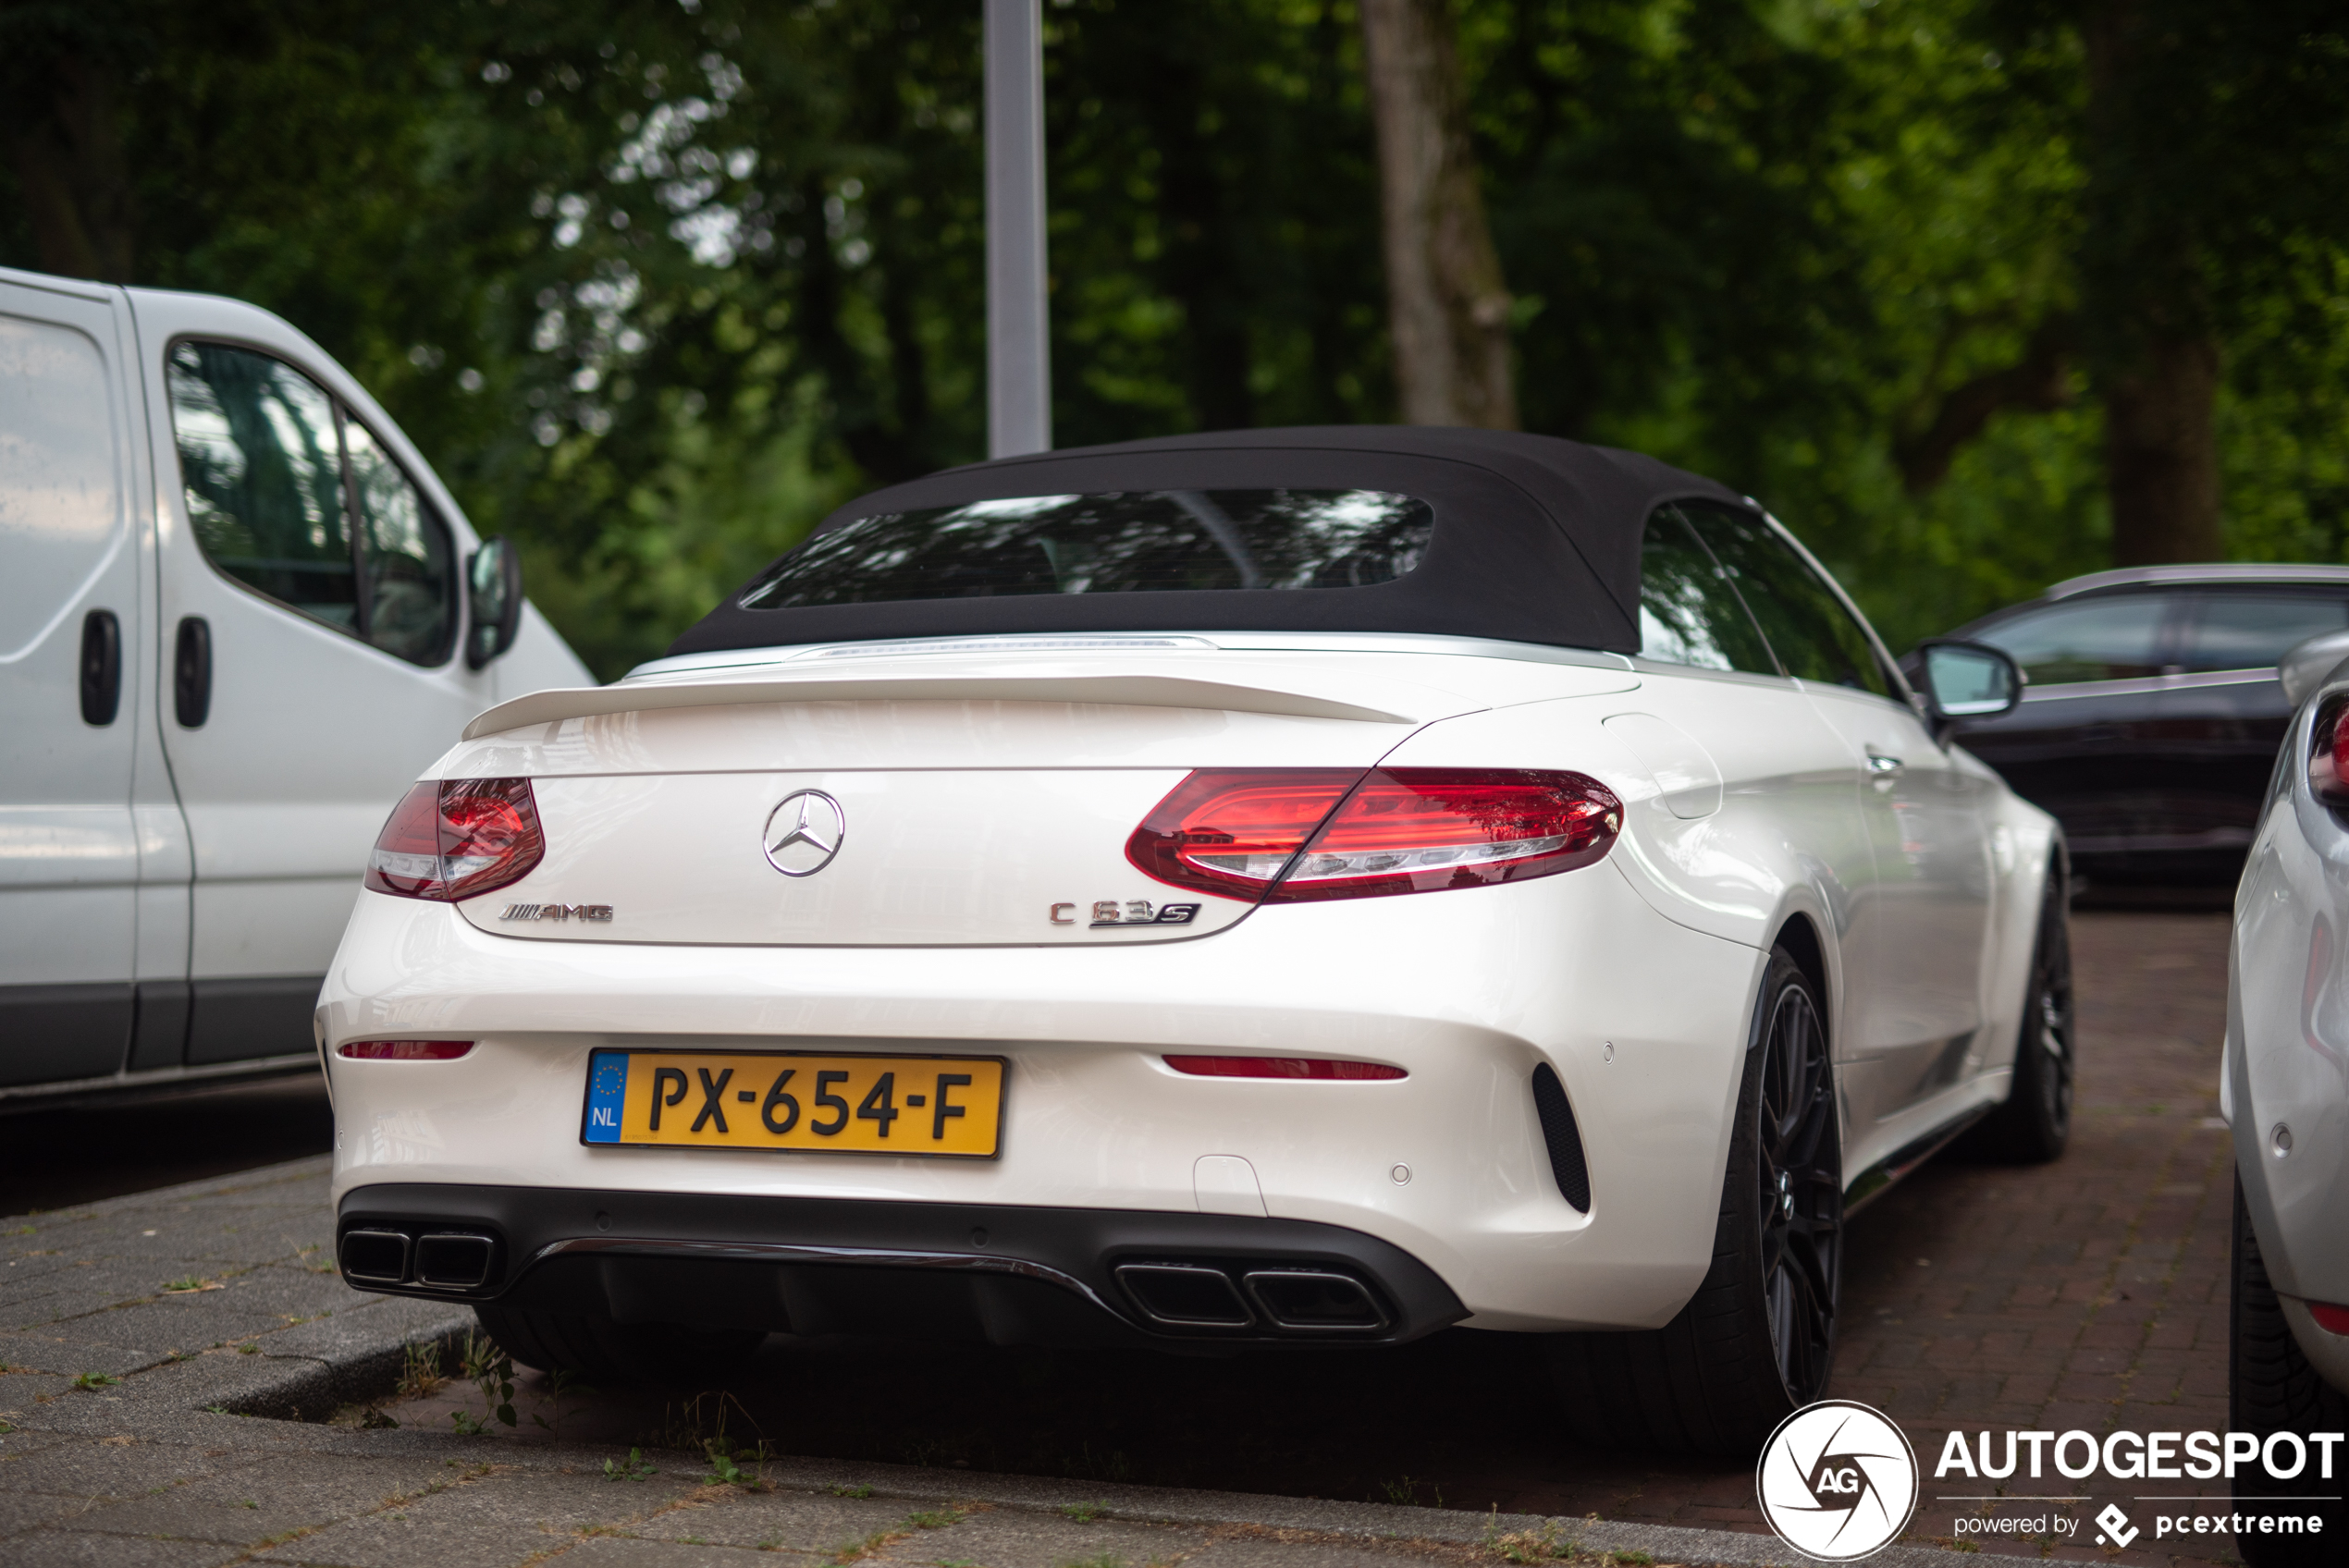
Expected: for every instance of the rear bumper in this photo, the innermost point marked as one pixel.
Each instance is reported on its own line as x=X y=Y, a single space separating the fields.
x=1642 y=1021
x=819 y=1266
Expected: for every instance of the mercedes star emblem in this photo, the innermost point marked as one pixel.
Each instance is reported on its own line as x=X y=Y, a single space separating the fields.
x=805 y=832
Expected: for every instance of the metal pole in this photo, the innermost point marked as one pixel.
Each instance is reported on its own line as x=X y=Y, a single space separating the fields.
x=1019 y=363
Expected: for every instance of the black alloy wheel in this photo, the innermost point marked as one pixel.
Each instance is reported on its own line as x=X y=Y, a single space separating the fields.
x=1801 y=1194
x=1756 y=1342
x=2035 y=1123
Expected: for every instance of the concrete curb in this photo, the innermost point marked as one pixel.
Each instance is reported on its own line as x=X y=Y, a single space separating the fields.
x=358 y=1355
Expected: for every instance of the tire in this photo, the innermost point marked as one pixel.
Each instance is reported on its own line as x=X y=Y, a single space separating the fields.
x=597 y=1348
x=1755 y=1343
x=2035 y=1123
x=2272 y=1388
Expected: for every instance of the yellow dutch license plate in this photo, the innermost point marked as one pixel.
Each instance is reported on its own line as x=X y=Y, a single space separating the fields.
x=897 y=1105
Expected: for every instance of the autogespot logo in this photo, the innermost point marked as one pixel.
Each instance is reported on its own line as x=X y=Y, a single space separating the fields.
x=1838 y=1480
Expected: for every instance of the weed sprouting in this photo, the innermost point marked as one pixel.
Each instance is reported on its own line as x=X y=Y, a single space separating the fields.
x=491 y=1370
x=852 y=1491
x=96 y=1380
x=632 y=1468
x=937 y=1519
x=1543 y=1545
x=726 y=1469
x=420 y=1371
x=559 y=1383
x=1086 y=1513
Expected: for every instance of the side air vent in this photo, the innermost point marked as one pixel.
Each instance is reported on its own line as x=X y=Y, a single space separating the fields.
x=1563 y=1136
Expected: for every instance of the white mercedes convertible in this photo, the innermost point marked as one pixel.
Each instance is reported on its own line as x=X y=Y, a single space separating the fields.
x=1307 y=886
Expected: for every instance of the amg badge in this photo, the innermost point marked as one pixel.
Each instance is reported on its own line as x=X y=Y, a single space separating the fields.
x=556 y=912
x=1133 y=912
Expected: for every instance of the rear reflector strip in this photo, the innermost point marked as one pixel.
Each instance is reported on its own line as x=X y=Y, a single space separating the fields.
x=1282 y=1067
x=403 y=1050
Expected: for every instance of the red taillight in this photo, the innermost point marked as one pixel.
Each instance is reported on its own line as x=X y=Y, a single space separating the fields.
x=1270 y=834
x=1282 y=1067
x=403 y=1050
x=2329 y=752
x=457 y=838
x=1230 y=831
x=2331 y=1318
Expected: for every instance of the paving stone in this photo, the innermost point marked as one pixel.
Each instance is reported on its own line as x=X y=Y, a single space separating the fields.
x=632 y=1551
x=61 y=1548
x=1008 y=1537
x=795 y=1521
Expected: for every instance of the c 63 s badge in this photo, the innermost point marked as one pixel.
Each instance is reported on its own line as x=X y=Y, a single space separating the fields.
x=1132 y=911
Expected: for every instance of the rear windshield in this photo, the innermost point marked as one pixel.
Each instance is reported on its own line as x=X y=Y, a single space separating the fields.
x=1140 y=541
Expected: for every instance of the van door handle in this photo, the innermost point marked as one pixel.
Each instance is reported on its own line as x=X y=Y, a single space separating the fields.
x=1885 y=767
x=100 y=668
x=191 y=673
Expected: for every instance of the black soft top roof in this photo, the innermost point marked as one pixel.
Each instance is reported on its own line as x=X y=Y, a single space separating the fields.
x=1536 y=540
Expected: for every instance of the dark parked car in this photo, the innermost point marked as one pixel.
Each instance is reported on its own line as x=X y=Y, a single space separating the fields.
x=2154 y=713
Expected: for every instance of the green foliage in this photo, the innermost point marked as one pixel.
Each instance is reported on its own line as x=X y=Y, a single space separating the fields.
x=656 y=287
x=632 y=1468
x=485 y=1363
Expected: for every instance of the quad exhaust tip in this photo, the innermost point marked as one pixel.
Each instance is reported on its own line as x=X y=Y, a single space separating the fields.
x=1296 y=1299
x=446 y=1260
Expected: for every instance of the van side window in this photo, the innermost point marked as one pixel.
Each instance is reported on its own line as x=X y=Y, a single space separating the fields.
x=1689 y=612
x=298 y=501
x=1814 y=635
x=411 y=572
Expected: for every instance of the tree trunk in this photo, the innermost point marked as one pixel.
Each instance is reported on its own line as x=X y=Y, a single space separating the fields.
x=72 y=174
x=2159 y=358
x=2161 y=455
x=1447 y=307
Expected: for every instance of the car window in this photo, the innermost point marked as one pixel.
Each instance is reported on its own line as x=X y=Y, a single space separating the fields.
x=1813 y=635
x=1689 y=612
x=412 y=576
x=1111 y=542
x=263 y=473
x=2254 y=630
x=263 y=452
x=2116 y=638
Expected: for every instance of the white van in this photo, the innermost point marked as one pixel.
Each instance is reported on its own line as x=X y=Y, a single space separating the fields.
x=238 y=616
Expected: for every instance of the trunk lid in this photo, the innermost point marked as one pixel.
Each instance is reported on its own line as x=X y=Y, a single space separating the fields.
x=971 y=799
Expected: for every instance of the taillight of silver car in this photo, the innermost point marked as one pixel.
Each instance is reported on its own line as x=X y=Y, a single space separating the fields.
x=2329 y=752
x=457 y=839
x=1294 y=835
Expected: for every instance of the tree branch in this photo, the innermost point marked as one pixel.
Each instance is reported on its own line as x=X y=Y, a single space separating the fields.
x=2040 y=380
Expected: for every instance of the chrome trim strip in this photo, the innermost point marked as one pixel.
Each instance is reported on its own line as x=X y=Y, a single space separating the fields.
x=795 y=1252
x=2211 y=574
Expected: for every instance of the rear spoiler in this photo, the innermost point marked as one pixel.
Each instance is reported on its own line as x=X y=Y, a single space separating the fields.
x=1119 y=691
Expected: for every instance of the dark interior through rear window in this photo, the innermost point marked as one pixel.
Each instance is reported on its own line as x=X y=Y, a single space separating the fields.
x=1111 y=543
